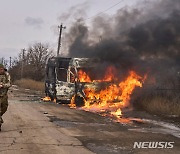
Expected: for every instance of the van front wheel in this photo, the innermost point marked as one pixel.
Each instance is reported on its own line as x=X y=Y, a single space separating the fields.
x=79 y=101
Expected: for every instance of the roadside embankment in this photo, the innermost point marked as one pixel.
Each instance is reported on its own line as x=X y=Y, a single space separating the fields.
x=30 y=84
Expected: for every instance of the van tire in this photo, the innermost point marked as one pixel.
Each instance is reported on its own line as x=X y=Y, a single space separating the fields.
x=79 y=101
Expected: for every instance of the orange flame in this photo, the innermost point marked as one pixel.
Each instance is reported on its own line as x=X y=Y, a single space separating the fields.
x=46 y=99
x=115 y=96
x=72 y=103
x=83 y=76
x=117 y=113
x=110 y=74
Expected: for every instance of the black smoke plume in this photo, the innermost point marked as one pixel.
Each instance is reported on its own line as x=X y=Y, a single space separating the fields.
x=145 y=39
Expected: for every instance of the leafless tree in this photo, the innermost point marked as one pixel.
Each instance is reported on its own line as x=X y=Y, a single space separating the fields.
x=31 y=63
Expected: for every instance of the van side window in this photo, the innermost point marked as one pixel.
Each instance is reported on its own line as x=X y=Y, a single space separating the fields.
x=61 y=74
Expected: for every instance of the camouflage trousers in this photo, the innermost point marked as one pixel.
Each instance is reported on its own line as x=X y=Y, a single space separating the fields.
x=3 y=106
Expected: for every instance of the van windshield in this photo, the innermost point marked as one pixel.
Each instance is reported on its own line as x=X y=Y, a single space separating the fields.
x=89 y=74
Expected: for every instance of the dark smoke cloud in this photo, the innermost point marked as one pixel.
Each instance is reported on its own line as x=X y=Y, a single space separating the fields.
x=74 y=12
x=145 y=39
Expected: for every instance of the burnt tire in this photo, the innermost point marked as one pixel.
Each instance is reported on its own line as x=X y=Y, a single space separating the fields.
x=79 y=101
x=52 y=96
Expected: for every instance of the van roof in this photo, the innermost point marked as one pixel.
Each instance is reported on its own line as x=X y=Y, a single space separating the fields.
x=74 y=62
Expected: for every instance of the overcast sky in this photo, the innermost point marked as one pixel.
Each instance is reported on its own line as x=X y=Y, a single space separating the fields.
x=23 y=22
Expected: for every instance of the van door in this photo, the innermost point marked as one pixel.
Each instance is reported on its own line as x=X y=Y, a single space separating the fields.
x=65 y=89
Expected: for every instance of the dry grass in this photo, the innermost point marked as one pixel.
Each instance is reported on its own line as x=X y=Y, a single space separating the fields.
x=30 y=84
x=160 y=104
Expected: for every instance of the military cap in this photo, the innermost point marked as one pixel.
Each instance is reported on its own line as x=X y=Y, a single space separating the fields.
x=1 y=66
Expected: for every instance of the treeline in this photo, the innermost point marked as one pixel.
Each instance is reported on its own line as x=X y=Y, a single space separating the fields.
x=31 y=63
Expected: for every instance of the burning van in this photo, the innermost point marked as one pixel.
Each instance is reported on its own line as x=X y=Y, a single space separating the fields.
x=63 y=78
x=90 y=83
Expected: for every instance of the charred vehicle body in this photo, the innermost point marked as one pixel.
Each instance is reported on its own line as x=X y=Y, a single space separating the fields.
x=62 y=79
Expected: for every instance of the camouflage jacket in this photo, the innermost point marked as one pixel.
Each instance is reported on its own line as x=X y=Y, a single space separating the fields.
x=5 y=81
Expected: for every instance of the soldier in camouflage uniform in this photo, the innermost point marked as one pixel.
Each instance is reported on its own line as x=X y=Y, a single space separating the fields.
x=5 y=83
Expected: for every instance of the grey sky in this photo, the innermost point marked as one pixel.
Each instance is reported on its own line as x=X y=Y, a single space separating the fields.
x=23 y=22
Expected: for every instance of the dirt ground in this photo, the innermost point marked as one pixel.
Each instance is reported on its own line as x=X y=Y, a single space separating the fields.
x=35 y=127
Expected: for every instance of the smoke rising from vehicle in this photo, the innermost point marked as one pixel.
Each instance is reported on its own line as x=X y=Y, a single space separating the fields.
x=145 y=39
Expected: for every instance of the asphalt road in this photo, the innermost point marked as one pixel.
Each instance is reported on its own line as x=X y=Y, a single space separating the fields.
x=36 y=127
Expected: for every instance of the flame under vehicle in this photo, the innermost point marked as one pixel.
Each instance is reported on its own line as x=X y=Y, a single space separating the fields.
x=62 y=79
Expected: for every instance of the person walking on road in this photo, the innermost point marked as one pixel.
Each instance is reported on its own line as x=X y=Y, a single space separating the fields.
x=5 y=83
